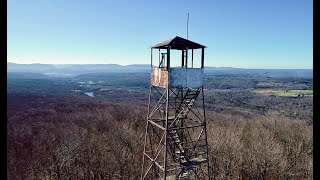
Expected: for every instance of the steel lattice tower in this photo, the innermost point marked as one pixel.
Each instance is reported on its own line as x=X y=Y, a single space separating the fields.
x=176 y=144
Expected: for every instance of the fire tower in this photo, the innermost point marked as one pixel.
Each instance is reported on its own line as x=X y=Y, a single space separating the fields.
x=175 y=144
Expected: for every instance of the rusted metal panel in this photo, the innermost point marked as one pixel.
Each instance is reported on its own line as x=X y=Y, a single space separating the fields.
x=177 y=77
x=159 y=77
x=186 y=77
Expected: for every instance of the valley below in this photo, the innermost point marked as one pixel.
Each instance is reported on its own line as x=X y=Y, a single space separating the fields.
x=91 y=126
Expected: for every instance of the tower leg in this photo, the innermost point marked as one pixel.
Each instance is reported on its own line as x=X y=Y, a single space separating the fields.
x=166 y=139
x=205 y=131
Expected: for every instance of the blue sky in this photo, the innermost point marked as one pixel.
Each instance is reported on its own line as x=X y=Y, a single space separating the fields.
x=246 y=33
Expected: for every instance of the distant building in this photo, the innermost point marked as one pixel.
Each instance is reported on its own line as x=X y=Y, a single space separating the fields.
x=76 y=90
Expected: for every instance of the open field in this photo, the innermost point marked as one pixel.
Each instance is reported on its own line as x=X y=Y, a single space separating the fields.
x=284 y=92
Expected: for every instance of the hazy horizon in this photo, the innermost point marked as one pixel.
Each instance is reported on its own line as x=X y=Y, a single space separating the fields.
x=247 y=34
x=148 y=64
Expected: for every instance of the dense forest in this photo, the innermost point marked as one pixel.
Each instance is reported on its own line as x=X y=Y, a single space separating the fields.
x=55 y=131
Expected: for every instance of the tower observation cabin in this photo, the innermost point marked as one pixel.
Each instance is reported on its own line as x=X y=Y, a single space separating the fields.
x=163 y=75
x=175 y=144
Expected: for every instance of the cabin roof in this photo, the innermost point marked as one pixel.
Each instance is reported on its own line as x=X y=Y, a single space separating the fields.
x=178 y=43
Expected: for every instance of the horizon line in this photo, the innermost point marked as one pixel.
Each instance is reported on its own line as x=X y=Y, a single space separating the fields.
x=148 y=64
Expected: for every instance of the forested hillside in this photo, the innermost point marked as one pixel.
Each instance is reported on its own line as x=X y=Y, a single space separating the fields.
x=55 y=131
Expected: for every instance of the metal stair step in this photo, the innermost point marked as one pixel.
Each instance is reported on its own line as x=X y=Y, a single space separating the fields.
x=175 y=136
x=180 y=157
x=184 y=175
x=198 y=160
x=179 y=152
x=182 y=116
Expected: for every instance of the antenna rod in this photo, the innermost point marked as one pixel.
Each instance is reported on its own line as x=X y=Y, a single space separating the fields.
x=187 y=25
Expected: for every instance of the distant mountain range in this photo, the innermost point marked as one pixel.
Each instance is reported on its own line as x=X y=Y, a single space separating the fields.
x=66 y=70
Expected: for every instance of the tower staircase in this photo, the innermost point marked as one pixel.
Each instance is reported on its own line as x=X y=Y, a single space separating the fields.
x=179 y=152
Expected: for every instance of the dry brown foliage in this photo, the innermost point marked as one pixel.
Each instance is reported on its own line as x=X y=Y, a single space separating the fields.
x=268 y=147
x=107 y=143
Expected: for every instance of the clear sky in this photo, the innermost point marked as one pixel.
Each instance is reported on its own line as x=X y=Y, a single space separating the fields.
x=238 y=33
